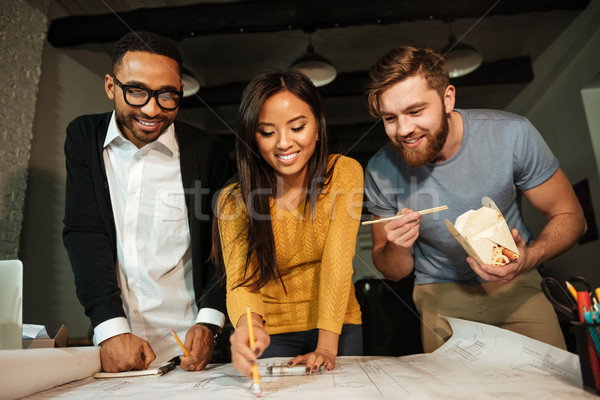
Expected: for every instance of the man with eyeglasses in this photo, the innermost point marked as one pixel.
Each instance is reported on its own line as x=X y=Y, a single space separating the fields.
x=138 y=214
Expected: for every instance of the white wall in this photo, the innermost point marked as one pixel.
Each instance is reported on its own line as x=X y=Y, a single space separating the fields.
x=554 y=104
x=22 y=32
x=71 y=84
x=591 y=103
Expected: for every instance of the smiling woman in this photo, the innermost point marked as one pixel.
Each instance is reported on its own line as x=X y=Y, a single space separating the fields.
x=286 y=230
x=286 y=138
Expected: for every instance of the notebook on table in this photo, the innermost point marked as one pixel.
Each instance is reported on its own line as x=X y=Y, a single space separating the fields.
x=11 y=304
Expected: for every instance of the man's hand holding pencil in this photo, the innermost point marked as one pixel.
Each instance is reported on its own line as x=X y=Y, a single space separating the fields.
x=200 y=347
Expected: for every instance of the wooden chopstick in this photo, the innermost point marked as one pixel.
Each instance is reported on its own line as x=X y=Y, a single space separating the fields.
x=395 y=217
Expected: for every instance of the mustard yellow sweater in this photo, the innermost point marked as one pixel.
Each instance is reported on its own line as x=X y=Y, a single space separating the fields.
x=314 y=255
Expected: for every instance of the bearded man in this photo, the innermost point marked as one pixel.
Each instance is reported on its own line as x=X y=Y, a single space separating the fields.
x=438 y=155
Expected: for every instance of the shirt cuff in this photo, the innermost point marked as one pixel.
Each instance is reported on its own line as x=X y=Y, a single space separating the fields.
x=109 y=328
x=211 y=316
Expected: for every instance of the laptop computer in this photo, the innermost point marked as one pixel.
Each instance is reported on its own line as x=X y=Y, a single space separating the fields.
x=11 y=304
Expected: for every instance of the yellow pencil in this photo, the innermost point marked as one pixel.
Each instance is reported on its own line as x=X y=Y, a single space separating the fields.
x=572 y=290
x=179 y=342
x=255 y=375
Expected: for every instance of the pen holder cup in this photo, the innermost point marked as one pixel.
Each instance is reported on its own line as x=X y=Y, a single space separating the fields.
x=588 y=348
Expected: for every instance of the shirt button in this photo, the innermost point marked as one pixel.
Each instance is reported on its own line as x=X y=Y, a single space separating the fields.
x=135 y=312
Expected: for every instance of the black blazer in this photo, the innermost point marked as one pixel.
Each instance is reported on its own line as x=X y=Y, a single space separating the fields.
x=89 y=233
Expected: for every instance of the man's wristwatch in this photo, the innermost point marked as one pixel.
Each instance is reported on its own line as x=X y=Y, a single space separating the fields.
x=215 y=330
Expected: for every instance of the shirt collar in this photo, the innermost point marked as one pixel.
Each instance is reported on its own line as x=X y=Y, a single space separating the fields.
x=165 y=141
x=113 y=131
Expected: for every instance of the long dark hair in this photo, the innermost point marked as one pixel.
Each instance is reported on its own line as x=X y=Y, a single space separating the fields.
x=256 y=180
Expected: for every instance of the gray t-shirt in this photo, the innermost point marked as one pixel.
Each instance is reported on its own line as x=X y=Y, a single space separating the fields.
x=500 y=154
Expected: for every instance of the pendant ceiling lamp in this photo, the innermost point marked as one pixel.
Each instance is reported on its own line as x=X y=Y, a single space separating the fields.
x=319 y=69
x=191 y=85
x=461 y=58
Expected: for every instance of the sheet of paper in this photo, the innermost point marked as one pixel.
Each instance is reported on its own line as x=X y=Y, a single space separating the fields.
x=23 y=372
x=511 y=365
x=158 y=369
x=31 y=331
x=478 y=362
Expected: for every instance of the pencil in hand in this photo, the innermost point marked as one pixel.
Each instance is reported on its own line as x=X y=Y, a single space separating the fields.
x=179 y=342
x=255 y=374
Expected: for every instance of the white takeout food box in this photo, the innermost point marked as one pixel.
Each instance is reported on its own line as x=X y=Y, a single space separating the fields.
x=484 y=235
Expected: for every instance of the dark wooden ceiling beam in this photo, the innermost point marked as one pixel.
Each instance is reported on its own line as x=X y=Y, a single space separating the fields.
x=512 y=70
x=270 y=16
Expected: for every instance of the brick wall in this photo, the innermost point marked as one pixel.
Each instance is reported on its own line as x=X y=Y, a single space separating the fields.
x=23 y=27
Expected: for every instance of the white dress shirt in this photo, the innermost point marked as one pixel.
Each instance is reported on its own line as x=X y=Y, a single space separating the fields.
x=153 y=243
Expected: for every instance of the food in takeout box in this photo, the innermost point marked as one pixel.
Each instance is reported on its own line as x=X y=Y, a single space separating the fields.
x=484 y=235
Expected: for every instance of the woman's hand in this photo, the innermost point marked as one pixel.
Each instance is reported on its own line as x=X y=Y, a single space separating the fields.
x=315 y=359
x=324 y=355
x=242 y=356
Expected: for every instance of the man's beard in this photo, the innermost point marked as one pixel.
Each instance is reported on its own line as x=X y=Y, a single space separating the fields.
x=428 y=151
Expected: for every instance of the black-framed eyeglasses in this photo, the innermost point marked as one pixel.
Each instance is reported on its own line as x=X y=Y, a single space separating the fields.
x=137 y=96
